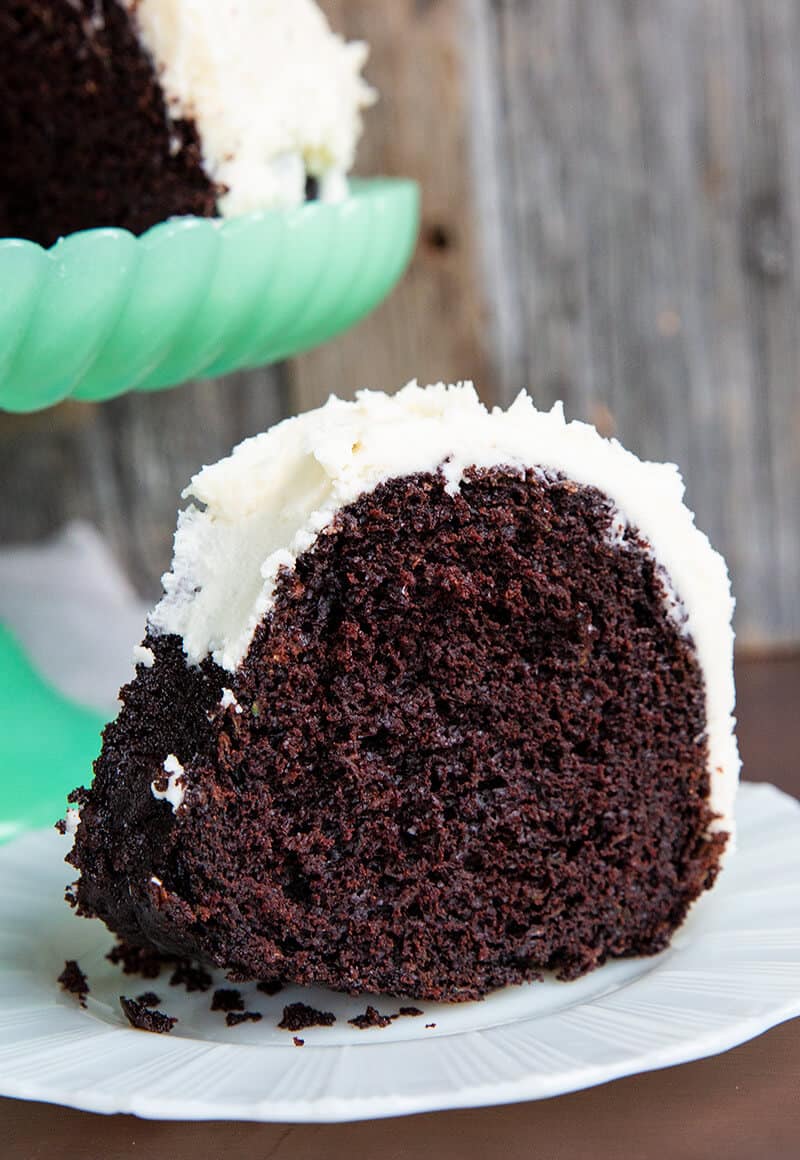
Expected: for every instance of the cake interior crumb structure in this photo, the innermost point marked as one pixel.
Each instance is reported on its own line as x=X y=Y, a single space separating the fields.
x=451 y=693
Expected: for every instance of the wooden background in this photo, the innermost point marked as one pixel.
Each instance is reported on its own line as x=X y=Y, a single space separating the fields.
x=611 y=216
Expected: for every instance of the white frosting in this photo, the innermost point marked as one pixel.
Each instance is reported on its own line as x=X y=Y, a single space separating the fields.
x=269 y=500
x=273 y=92
x=227 y=701
x=72 y=821
x=176 y=784
x=143 y=656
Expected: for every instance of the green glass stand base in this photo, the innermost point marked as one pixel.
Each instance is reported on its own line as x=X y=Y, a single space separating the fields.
x=47 y=745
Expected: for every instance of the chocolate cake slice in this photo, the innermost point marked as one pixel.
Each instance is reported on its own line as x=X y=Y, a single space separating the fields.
x=128 y=112
x=436 y=699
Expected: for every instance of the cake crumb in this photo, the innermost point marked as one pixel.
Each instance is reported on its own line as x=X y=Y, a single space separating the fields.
x=192 y=976
x=411 y=1011
x=297 y=1041
x=234 y=1018
x=227 y=999
x=144 y=1020
x=73 y=980
x=370 y=1018
x=270 y=986
x=148 y=999
x=427 y=1025
x=298 y=1016
x=144 y=961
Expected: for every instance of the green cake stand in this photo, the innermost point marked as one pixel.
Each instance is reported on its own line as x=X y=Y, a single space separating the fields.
x=47 y=744
x=103 y=312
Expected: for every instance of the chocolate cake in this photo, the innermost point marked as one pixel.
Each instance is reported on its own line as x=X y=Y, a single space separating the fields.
x=74 y=981
x=144 y=1018
x=299 y=1016
x=128 y=112
x=436 y=699
x=370 y=1018
x=235 y=1018
x=227 y=999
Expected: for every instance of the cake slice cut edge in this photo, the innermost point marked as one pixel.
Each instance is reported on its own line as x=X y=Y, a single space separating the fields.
x=451 y=692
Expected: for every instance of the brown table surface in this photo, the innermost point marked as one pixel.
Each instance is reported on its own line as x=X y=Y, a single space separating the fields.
x=743 y=1105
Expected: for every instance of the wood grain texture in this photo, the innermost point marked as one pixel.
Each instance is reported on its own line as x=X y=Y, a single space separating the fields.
x=638 y=165
x=433 y=326
x=123 y=464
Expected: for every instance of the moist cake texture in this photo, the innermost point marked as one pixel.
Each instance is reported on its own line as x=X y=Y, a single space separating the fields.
x=144 y=1018
x=470 y=735
x=127 y=112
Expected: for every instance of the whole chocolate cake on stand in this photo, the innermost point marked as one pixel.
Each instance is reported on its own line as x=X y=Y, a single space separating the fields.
x=127 y=112
x=186 y=168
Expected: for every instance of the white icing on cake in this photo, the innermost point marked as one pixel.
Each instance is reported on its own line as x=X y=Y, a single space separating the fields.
x=176 y=784
x=72 y=821
x=267 y=502
x=143 y=656
x=273 y=92
x=227 y=701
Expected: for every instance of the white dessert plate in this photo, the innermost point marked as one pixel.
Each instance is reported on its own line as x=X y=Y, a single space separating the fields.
x=732 y=971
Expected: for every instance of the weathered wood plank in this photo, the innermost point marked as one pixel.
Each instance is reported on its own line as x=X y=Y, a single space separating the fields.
x=645 y=162
x=432 y=326
x=123 y=464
